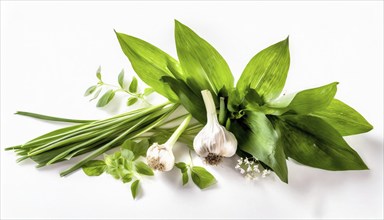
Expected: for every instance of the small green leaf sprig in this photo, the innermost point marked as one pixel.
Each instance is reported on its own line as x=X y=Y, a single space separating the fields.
x=200 y=176
x=123 y=164
x=131 y=89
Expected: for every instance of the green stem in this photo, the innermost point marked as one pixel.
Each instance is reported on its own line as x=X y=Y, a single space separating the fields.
x=127 y=134
x=190 y=157
x=222 y=112
x=100 y=150
x=172 y=140
x=51 y=118
x=89 y=128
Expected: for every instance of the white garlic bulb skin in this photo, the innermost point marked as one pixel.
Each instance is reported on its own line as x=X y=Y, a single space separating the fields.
x=160 y=157
x=214 y=141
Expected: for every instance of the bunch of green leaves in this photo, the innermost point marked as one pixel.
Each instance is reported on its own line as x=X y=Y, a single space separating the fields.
x=123 y=164
x=130 y=89
x=200 y=176
x=307 y=126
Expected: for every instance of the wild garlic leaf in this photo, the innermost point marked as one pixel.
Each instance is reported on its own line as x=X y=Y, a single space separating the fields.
x=313 y=142
x=148 y=91
x=132 y=101
x=138 y=148
x=94 y=167
x=203 y=66
x=201 y=177
x=267 y=71
x=90 y=90
x=150 y=63
x=106 y=98
x=256 y=135
x=133 y=85
x=345 y=119
x=120 y=79
x=134 y=188
x=143 y=168
x=253 y=98
x=307 y=101
x=191 y=101
x=98 y=73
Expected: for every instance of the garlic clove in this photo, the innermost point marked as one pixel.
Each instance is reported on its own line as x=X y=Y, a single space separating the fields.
x=229 y=145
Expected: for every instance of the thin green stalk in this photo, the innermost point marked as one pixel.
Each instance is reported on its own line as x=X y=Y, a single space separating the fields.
x=81 y=133
x=98 y=136
x=51 y=118
x=109 y=145
x=96 y=125
x=222 y=112
x=172 y=140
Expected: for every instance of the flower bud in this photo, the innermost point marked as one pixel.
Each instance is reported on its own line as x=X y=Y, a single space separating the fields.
x=214 y=141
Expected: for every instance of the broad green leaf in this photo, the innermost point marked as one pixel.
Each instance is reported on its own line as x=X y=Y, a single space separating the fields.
x=134 y=188
x=143 y=168
x=138 y=148
x=185 y=177
x=98 y=73
x=345 y=119
x=90 y=90
x=120 y=79
x=307 y=101
x=150 y=63
x=133 y=85
x=267 y=71
x=313 y=142
x=191 y=101
x=203 y=66
x=148 y=91
x=127 y=154
x=253 y=98
x=132 y=101
x=235 y=102
x=255 y=135
x=94 y=167
x=201 y=177
x=106 y=98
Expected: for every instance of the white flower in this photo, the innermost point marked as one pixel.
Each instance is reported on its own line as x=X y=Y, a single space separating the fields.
x=160 y=156
x=213 y=142
x=250 y=168
x=266 y=173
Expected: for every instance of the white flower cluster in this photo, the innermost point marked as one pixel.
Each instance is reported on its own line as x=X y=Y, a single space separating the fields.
x=250 y=168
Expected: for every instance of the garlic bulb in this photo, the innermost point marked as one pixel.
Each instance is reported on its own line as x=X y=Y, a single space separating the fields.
x=160 y=156
x=213 y=142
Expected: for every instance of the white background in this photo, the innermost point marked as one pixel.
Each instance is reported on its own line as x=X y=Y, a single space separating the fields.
x=49 y=54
